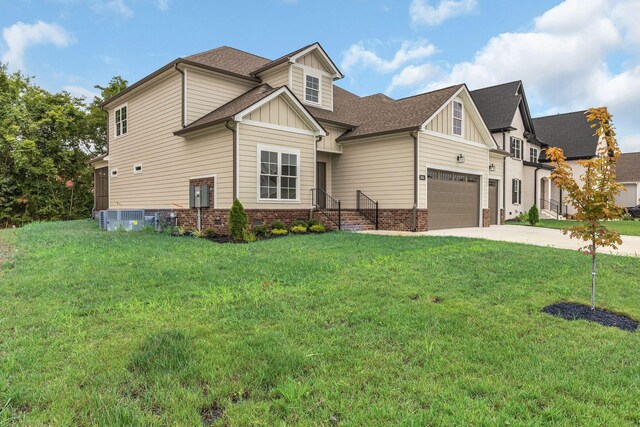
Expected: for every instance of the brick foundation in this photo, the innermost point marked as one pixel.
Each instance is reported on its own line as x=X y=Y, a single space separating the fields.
x=218 y=219
x=486 y=217
x=502 y=216
x=388 y=219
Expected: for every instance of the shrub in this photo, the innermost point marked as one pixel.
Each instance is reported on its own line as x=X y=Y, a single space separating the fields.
x=209 y=232
x=197 y=233
x=261 y=230
x=533 y=216
x=238 y=221
x=278 y=225
x=249 y=237
x=313 y=222
x=523 y=217
x=279 y=232
x=299 y=222
x=178 y=231
x=298 y=229
x=317 y=228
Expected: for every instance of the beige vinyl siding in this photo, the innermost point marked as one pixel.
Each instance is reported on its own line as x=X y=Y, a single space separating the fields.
x=327 y=158
x=278 y=112
x=441 y=153
x=297 y=87
x=250 y=137
x=628 y=198
x=297 y=82
x=312 y=60
x=168 y=161
x=327 y=93
x=207 y=91
x=328 y=143
x=277 y=78
x=382 y=168
x=443 y=123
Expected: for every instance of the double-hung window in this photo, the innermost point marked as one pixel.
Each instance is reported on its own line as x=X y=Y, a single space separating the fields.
x=516 y=191
x=533 y=155
x=312 y=89
x=279 y=175
x=121 y=121
x=457 y=118
x=516 y=147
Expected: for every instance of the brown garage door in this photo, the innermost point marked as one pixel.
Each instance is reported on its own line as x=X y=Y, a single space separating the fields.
x=453 y=199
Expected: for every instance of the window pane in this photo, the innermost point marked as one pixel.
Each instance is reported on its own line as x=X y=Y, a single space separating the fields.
x=117 y=116
x=117 y=128
x=124 y=126
x=264 y=156
x=124 y=113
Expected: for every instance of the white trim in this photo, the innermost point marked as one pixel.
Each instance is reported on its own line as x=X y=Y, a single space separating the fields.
x=316 y=74
x=453 y=117
x=290 y=77
x=280 y=150
x=278 y=127
x=481 y=175
x=327 y=60
x=215 y=186
x=324 y=150
x=120 y=107
x=456 y=139
x=136 y=172
x=236 y=186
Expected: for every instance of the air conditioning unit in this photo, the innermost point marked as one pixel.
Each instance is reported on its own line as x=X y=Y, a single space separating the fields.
x=102 y=219
x=130 y=220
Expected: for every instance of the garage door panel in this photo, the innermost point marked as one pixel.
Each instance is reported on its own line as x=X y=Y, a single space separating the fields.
x=453 y=199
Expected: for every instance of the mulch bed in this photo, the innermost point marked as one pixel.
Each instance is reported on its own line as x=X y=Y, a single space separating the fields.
x=573 y=311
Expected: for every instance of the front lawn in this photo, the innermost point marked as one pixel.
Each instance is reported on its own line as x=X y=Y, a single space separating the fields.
x=102 y=328
x=628 y=228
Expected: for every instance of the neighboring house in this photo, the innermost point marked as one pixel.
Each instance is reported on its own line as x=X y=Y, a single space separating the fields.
x=628 y=174
x=284 y=140
x=526 y=180
x=573 y=133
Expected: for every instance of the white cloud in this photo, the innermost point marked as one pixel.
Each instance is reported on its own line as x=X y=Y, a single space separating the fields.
x=117 y=6
x=413 y=75
x=357 y=55
x=79 y=91
x=20 y=36
x=631 y=143
x=424 y=13
x=162 y=5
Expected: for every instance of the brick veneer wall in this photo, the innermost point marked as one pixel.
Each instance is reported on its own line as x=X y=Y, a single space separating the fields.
x=502 y=216
x=486 y=217
x=389 y=219
x=218 y=219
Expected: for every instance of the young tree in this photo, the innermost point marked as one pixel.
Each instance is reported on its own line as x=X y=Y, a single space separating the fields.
x=533 y=216
x=595 y=199
x=238 y=221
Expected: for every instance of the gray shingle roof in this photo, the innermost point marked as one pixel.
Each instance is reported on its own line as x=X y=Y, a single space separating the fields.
x=230 y=59
x=498 y=104
x=569 y=131
x=628 y=168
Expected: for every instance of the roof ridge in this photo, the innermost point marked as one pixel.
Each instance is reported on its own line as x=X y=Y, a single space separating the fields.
x=429 y=93
x=232 y=48
x=560 y=114
x=498 y=85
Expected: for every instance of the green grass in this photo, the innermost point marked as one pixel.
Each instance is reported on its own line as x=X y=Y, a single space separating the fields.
x=626 y=228
x=102 y=328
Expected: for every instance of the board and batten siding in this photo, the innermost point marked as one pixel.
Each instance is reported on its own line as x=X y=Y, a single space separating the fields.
x=167 y=161
x=278 y=112
x=443 y=123
x=382 y=168
x=207 y=91
x=250 y=137
x=328 y=143
x=312 y=60
x=277 y=78
x=441 y=153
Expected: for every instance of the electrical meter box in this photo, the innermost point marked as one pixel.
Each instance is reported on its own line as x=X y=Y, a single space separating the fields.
x=199 y=196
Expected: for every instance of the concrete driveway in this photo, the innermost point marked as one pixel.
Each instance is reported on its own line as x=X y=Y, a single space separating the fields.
x=522 y=234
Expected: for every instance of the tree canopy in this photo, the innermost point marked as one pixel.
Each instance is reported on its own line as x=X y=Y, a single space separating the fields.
x=46 y=140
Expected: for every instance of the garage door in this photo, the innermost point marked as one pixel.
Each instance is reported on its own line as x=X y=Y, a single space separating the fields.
x=453 y=199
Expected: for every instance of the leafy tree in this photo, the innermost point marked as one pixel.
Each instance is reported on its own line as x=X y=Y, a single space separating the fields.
x=595 y=199
x=533 y=216
x=238 y=221
x=96 y=121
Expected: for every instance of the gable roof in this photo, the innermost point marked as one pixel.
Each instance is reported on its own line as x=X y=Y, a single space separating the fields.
x=292 y=56
x=244 y=104
x=498 y=104
x=229 y=59
x=628 y=168
x=569 y=131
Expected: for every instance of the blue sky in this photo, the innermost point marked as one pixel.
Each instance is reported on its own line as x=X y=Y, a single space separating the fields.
x=570 y=54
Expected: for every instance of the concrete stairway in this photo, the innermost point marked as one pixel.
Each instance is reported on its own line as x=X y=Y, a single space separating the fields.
x=547 y=214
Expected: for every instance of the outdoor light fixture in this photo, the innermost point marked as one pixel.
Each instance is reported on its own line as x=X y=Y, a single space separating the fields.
x=460 y=158
x=492 y=167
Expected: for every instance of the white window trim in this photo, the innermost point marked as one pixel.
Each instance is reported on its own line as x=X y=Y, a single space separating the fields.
x=280 y=150
x=537 y=151
x=453 y=103
x=518 y=201
x=313 y=73
x=115 y=133
x=521 y=147
x=137 y=172
x=111 y=172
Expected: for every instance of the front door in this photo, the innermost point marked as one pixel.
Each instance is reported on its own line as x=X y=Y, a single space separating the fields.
x=321 y=184
x=493 y=201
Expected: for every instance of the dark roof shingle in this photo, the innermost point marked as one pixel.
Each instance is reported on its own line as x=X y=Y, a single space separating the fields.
x=498 y=104
x=628 y=168
x=229 y=59
x=569 y=131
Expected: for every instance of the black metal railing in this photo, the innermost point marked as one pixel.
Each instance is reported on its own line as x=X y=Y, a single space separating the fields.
x=552 y=206
x=327 y=205
x=367 y=207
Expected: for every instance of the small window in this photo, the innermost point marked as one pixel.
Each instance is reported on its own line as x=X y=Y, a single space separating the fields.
x=312 y=89
x=121 y=121
x=114 y=172
x=137 y=168
x=516 y=191
x=278 y=175
x=533 y=155
x=457 y=118
x=516 y=148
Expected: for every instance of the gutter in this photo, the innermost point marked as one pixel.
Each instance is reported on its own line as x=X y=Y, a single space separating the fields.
x=184 y=95
x=235 y=158
x=416 y=136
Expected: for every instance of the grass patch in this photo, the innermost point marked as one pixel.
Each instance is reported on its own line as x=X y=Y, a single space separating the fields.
x=143 y=329
x=627 y=228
